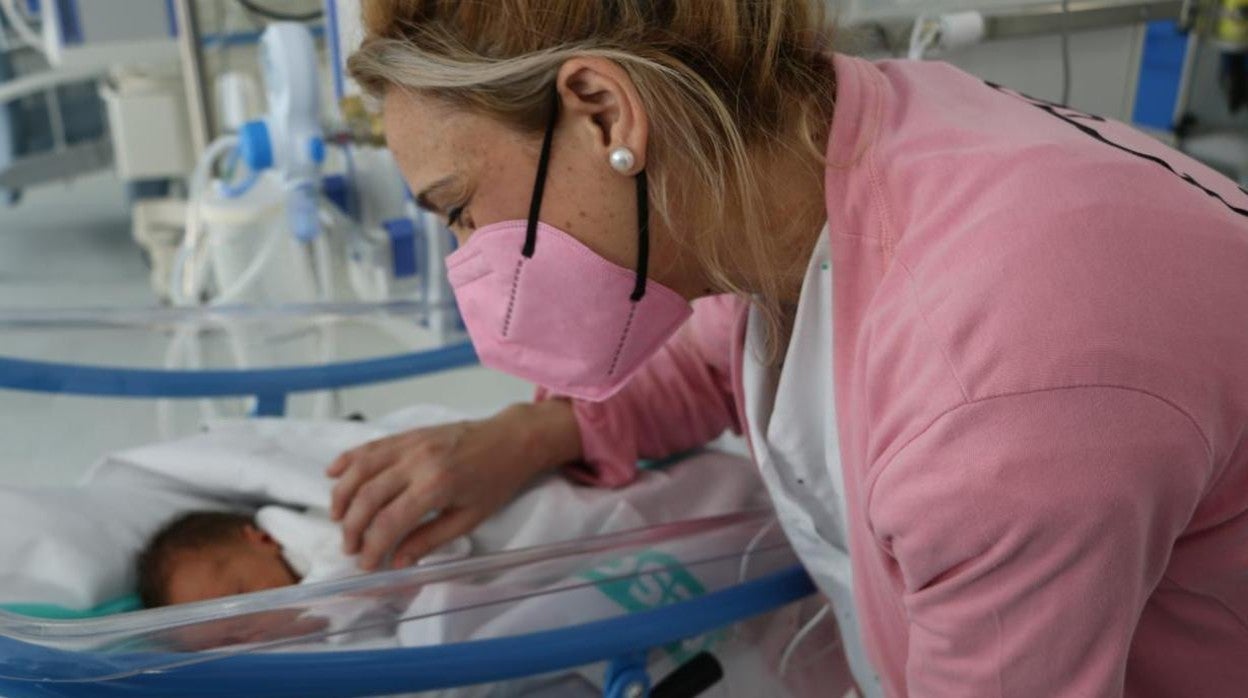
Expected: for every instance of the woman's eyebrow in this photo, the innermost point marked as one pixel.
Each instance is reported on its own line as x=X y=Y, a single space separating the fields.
x=423 y=198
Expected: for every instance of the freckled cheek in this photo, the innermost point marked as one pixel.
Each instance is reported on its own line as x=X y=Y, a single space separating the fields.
x=491 y=205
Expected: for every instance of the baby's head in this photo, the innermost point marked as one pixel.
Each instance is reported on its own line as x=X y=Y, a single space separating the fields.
x=207 y=555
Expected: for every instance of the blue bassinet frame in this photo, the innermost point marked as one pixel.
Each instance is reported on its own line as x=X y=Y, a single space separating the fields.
x=620 y=641
x=390 y=671
x=270 y=387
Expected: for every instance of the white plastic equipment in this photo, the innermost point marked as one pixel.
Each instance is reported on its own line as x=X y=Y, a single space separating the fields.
x=289 y=139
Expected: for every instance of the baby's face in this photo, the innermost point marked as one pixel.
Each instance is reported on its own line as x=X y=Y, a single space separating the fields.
x=253 y=563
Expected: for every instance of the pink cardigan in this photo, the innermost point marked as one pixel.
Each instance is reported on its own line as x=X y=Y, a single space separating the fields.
x=1041 y=365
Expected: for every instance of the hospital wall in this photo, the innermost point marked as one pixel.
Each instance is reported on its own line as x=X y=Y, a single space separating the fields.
x=1104 y=67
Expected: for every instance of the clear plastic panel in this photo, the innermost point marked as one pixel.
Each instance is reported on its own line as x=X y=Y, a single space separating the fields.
x=380 y=358
x=229 y=337
x=743 y=660
x=522 y=592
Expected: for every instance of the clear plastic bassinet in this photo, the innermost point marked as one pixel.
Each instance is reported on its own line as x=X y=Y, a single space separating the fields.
x=714 y=606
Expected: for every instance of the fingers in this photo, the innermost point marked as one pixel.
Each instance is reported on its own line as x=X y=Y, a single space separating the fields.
x=361 y=465
x=340 y=464
x=344 y=461
x=404 y=513
x=433 y=535
x=370 y=498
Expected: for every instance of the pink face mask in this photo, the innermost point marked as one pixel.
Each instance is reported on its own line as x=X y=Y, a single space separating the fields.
x=541 y=306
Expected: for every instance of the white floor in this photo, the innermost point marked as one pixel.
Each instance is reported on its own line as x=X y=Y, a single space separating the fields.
x=69 y=247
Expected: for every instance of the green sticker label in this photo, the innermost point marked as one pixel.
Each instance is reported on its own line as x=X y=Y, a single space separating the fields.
x=650 y=580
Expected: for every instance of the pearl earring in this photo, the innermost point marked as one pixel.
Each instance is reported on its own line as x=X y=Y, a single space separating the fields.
x=622 y=160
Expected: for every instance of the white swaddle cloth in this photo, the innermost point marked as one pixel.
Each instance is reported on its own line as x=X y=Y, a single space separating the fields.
x=312 y=544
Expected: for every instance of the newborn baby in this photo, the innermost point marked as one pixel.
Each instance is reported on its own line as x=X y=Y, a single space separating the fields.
x=207 y=555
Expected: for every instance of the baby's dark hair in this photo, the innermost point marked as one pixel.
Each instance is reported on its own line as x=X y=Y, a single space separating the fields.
x=197 y=530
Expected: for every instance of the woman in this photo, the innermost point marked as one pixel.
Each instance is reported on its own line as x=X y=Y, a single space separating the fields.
x=987 y=347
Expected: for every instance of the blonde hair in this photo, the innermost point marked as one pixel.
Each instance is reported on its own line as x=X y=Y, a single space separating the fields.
x=727 y=84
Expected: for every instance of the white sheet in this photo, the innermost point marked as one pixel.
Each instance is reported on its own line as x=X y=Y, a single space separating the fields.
x=73 y=546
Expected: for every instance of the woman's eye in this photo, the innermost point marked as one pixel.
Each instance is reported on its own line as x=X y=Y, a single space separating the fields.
x=455 y=216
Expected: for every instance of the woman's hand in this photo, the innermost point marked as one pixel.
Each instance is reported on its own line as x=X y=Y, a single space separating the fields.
x=461 y=472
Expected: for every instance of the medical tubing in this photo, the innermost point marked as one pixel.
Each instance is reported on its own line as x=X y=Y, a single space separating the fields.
x=238 y=190
x=185 y=289
x=333 y=217
x=195 y=349
x=18 y=21
x=164 y=407
x=323 y=265
x=187 y=339
x=354 y=206
x=303 y=198
x=207 y=408
x=923 y=36
x=744 y=566
x=794 y=643
x=253 y=270
x=323 y=271
x=749 y=549
x=325 y=401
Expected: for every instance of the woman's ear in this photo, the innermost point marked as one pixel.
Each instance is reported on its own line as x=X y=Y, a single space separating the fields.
x=602 y=103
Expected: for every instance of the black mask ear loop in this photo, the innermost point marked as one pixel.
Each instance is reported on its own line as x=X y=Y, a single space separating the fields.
x=539 y=188
x=643 y=236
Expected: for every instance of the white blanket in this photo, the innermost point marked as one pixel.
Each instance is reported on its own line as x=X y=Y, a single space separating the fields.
x=262 y=463
x=312 y=544
x=554 y=510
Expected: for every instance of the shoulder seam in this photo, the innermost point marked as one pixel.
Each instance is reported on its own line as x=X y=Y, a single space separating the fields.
x=911 y=284
x=874 y=470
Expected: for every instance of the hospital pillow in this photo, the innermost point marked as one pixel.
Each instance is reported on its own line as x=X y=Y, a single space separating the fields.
x=74 y=547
